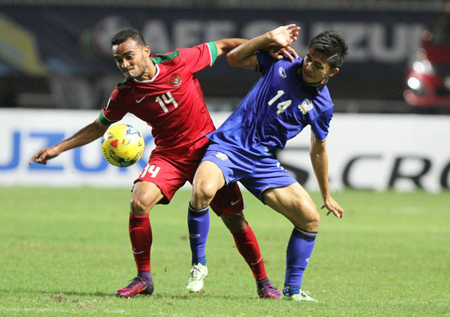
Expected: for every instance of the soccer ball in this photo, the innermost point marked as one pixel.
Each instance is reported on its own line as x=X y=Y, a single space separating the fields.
x=122 y=145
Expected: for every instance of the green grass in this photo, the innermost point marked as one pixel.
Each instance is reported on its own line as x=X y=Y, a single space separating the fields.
x=66 y=251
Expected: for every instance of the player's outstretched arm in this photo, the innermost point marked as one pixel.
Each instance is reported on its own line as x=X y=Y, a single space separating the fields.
x=278 y=39
x=319 y=160
x=226 y=45
x=86 y=135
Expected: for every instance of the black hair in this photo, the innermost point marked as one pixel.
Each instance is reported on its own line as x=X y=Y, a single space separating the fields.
x=126 y=34
x=332 y=44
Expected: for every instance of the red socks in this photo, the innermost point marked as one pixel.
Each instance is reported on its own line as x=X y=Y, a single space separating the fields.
x=141 y=241
x=248 y=247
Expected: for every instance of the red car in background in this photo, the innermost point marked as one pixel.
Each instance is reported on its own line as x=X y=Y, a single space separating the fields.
x=428 y=78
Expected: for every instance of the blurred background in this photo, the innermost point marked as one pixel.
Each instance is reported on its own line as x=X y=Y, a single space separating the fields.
x=392 y=96
x=399 y=50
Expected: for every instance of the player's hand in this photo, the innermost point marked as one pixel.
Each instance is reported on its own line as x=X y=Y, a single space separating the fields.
x=333 y=207
x=44 y=155
x=289 y=52
x=284 y=36
x=279 y=53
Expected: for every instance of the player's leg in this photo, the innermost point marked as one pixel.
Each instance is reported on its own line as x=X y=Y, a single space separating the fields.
x=248 y=247
x=157 y=184
x=145 y=196
x=198 y=226
x=295 y=203
x=208 y=180
x=198 y=223
x=228 y=204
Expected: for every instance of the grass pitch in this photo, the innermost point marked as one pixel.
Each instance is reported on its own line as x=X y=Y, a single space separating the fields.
x=66 y=251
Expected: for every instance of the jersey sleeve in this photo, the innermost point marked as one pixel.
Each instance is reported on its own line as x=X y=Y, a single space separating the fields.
x=264 y=61
x=200 y=56
x=321 y=125
x=113 y=111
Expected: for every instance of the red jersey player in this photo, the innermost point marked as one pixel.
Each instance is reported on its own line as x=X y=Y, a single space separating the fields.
x=163 y=91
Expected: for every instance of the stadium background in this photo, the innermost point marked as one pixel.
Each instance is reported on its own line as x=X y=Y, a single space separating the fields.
x=56 y=72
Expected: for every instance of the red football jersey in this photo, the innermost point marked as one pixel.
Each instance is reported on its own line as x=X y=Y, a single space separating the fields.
x=172 y=102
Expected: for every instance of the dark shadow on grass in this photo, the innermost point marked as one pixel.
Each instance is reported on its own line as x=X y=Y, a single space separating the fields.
x=58 y=295
x=60 y=292
x=203 y=296
x=99 y=294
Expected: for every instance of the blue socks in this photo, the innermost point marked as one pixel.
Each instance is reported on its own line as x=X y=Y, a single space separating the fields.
x=198 y=223
x=290 y=290
x=300 y=247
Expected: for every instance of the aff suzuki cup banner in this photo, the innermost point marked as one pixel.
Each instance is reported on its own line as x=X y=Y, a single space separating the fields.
x=366 y=151
x=43 y=41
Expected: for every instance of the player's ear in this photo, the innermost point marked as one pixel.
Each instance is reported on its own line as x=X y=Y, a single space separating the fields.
x=334 y=71
x=147 y=50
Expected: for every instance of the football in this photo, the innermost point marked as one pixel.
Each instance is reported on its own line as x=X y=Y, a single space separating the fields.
x=122 y=145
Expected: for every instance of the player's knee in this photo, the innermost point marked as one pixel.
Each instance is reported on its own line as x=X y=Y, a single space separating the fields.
x=313 y=224
x=203 y=193
x=312 y=219
x=307 y=218
x=139 y=205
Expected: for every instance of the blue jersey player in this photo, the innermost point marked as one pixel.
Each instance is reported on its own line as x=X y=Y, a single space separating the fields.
x=289 y=96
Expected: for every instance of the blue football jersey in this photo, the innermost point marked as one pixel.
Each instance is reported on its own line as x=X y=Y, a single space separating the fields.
x=276 y=109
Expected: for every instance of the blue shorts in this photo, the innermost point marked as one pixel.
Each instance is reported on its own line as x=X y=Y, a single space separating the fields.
x=256 y=173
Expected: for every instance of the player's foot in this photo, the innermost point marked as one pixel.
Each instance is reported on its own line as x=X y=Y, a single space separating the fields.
x=300 y=297
x=138 y=285
x=196 y=276
x=266 y=289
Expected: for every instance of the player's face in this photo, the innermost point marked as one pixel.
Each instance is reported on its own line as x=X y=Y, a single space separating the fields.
x=316 y=69
x=131 y=58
